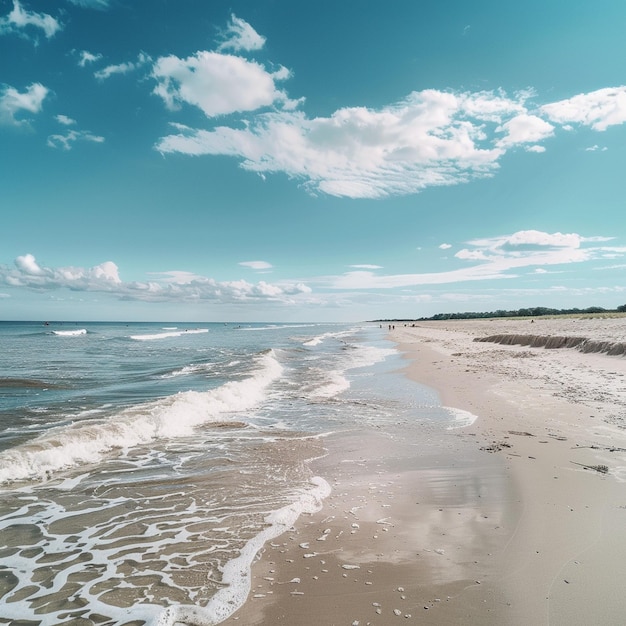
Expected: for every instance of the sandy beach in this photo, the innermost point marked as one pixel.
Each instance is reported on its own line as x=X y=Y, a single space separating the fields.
x=519 y=518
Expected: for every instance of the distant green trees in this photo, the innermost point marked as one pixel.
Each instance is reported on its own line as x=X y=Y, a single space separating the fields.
x=536 y=311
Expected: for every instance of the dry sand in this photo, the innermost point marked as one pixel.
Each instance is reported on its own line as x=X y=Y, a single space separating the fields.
x=507 y=521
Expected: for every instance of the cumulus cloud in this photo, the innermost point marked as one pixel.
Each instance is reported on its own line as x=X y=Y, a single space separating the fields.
x=13 y=103
x=494 y=258
x=172 y=286
x=28 y=265
x=19 y=19
x=598 y=109
x=85 y=57
x=445 y=246
x=524 y=129
x=426 y=140
x=122 y=68
x=430 y=138
x=367 y=267
x=240 y=36
x=218 y=84
x=28 y=273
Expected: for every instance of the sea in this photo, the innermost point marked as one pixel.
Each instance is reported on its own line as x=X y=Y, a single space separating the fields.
x=143 y=466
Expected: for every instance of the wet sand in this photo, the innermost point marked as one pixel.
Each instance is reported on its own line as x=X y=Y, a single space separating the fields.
x=507 y=521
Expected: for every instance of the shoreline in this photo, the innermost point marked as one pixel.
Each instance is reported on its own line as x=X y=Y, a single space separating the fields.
x=492 y=523
x=402 y=534
x=542 y=410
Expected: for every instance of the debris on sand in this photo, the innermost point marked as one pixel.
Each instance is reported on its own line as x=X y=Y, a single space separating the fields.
x=603 y=469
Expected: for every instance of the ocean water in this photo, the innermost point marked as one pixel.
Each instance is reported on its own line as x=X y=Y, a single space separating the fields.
x=142 y=466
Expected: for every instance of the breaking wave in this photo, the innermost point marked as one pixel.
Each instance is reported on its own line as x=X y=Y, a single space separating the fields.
x=170 y=417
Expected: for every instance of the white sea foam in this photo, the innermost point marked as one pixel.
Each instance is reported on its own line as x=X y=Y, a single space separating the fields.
x=188 y=370
x=276 y=327
x=172 y=333
x=316 y=341
x=236 y=573
x=174 y=416
x=462 y=418
x=332 y=384
x=366 y=356
x=326 y=384
x=70 y=333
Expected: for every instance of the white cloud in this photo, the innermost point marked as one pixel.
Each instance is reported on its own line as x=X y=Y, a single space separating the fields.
x=367 y=267
x=598 y=109
x=531 y=238
x=19 y=19
x=492 y=258
x=28 y=273
x=12 y=102
x=86 y=57
x=218 y=84
x=241 y=36
x=257 y=265
x=172 y=286
x=445 y=246
x=524 y=128
x=122 y=68
x=65 y=141
x=426 y=140
x=28 y=265
x=596 y=148
x=430 y=138
x=65 y=120
x=70 y=137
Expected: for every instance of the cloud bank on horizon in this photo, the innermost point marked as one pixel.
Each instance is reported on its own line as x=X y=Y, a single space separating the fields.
x=483 y=259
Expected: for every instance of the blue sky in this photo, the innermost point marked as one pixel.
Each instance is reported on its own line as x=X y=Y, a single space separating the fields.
x=331 y=161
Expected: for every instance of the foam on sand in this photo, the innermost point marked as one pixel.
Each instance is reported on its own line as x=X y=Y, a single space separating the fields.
x=462 y=419
x=236 y=573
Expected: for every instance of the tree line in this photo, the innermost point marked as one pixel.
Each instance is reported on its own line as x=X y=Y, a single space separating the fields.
x=536 y=311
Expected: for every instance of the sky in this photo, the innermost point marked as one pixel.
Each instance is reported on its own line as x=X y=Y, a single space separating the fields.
x=272 y=160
